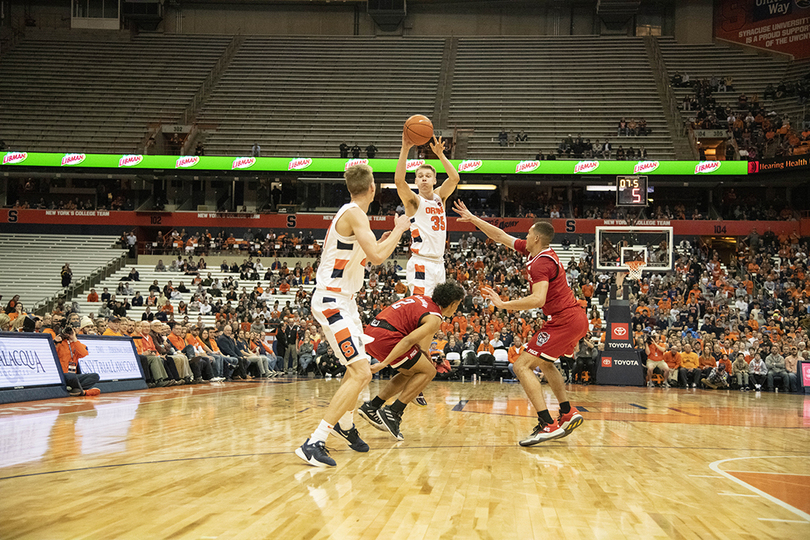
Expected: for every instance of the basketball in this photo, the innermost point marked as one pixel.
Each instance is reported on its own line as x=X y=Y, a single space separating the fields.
x=418 y=129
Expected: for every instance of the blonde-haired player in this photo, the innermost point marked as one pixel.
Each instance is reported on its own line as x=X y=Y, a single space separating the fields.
x=348 y=243
x=426 y=211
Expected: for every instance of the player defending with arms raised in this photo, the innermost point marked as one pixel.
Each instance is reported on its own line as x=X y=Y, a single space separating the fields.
x=402 y=333
x=568 y=323
x=348 y=243
x=426 y=211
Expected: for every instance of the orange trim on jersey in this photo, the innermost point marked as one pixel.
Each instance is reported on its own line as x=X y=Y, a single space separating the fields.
x=415 y=250
x=329 y=312
x=419 y=268
x=342 y=334
x=333 y=289
x=340 y=264
x=415 y=232
x=418 y=290
x=363 y=262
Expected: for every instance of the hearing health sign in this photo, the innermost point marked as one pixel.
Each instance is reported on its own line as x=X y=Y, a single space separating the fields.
x=108 y=162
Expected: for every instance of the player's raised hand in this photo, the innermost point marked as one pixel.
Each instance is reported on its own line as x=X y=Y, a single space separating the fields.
x=406 y=142
x=437 y=146
x=620 y=279
x=461 y=209
x=492 y=296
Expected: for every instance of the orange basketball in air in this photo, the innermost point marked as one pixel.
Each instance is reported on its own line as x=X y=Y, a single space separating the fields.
x=418 y=129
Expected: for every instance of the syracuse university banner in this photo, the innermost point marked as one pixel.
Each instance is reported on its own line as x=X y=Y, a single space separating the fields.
x=776 y=25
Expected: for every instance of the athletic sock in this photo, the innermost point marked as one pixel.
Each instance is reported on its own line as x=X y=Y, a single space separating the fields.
x=377 y=402
x=398 y=407
x=320 y=434
x=545 y=416
x=565 y=407
x=347 y=420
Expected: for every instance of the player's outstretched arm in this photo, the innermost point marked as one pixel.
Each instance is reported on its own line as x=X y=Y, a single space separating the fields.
x=410 y=200
x=376 y=252
x=534 y=301
x=422 y=336
x=448 y=186
x=490 y=230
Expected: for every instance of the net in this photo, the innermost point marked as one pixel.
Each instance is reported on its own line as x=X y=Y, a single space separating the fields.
x=634 y=269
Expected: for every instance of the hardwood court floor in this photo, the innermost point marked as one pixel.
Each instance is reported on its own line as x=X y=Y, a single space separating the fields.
x=216 y=461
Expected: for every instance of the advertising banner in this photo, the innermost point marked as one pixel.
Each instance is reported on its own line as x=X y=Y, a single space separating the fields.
x=28 y=360
x=335 y=165
x=112 y=358
x=12 y=218
x=777 y=25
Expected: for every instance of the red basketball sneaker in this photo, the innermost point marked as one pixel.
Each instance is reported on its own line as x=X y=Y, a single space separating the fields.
x=544 y=432
x=570 y=421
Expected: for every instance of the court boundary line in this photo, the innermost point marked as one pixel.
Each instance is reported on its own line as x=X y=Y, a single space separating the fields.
x=401 y=448
x=715 y=466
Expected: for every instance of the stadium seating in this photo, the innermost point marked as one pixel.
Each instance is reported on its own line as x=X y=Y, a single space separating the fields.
x=301 y=96
x=751 y=72
x=791 y=106
x=551 y=87
x=148 y=275
x=99 y=96
x=31 y=263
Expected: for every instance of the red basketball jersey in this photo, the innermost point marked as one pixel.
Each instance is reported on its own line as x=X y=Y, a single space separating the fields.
x=546 y=266
x=406 y=314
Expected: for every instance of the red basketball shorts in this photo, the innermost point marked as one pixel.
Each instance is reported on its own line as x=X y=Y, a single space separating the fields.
x=384 y=342
x=560 y=335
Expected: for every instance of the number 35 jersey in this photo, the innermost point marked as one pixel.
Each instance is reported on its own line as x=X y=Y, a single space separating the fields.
x=429 y=228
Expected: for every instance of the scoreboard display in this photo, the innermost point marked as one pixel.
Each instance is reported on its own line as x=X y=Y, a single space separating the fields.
x=631 y=191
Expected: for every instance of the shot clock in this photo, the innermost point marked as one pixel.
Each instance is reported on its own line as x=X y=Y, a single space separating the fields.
x=631 y=191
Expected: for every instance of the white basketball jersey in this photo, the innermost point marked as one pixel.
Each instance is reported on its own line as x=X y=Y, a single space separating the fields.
x=429 y=228
x=342 y=260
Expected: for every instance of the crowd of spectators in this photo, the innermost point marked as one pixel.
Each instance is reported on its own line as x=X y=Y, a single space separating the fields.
x=36 y=193
x=577 y=147
x=512 y=138
x=253 y=243
x=799 y=88
x=757 y=133
x=632 y=128
x=753 y=309
x=354 y=149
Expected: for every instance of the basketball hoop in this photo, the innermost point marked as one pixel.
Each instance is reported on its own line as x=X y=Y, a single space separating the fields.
x=634 y=269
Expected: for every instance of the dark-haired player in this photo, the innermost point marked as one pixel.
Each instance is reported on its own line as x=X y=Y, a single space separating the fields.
x=568 y=323
x=402 y=333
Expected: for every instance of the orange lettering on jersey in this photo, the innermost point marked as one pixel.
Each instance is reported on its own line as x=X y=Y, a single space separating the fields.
x=431 y=210
x=340 y=264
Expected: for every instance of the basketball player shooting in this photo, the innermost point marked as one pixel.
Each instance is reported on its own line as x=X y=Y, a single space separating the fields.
x=549 y=289
x=348 y=243
x=402 y=333
x=426 y=211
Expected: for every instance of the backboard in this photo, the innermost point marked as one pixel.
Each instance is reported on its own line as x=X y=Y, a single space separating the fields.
x=618 y=245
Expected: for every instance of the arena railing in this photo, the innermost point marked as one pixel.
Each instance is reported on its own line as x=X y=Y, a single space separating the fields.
x=101 y=273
